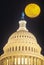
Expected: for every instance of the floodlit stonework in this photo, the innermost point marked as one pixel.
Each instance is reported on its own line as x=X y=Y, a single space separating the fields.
x=22 y=48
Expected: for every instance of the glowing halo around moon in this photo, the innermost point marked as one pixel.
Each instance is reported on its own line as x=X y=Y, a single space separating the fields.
x=32 y=10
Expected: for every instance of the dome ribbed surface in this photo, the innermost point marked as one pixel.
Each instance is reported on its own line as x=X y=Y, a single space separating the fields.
x=22 y=37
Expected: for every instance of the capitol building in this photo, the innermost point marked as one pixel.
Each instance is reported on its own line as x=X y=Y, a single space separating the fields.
x=22 y=48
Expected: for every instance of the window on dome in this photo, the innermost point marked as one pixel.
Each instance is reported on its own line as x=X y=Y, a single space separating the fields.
x=29 y=48
x=29 y=42
x=17 y=36
x=16 y=48
x=12 y=48
x=22 y=48
x=32 y=43
x=20 y=36
x=34 y=49
x=8 y=49
x=19 y=48
x=26 y=48
x=25 y=36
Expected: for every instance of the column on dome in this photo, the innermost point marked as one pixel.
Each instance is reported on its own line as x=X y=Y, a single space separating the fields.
x=22 y=61
x=10 y=60
x=25 y=60
x=38 y=61
x=31 y=60
x=2 y=62
x=19 y=61
x=5 y=61
x=34 y=60
x=15 y=60
x=43 y=62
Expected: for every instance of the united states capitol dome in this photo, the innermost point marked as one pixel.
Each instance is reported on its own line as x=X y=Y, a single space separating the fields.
x=22 y=48
x=21 y=40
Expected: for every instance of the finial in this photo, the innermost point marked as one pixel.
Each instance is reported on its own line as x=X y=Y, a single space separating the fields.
x=22 y=23
x=22 y=17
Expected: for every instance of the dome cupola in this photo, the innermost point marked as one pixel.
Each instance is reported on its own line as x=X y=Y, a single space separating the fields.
x=22 y=25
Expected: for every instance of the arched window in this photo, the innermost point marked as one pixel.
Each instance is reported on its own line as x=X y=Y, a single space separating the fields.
x=12 y=48
x=17 y=36
x=26 y=48
x=29 y=48
x=8 y=49
x=16 y=48
x=25 y=36
x=34 y=49
x=20 y=35
x=19 y=48
x=22 y=48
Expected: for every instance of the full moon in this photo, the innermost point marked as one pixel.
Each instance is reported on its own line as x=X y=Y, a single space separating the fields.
x=32 y=10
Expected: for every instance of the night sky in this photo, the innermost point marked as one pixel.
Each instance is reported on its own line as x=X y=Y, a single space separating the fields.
x=10 y=15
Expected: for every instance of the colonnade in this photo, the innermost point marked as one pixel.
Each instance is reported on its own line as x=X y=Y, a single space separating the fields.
x=22 y=61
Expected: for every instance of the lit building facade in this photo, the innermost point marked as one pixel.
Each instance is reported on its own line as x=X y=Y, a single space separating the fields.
x=22 y=48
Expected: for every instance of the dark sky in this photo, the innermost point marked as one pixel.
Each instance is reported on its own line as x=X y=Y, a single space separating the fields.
x=10 y=15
